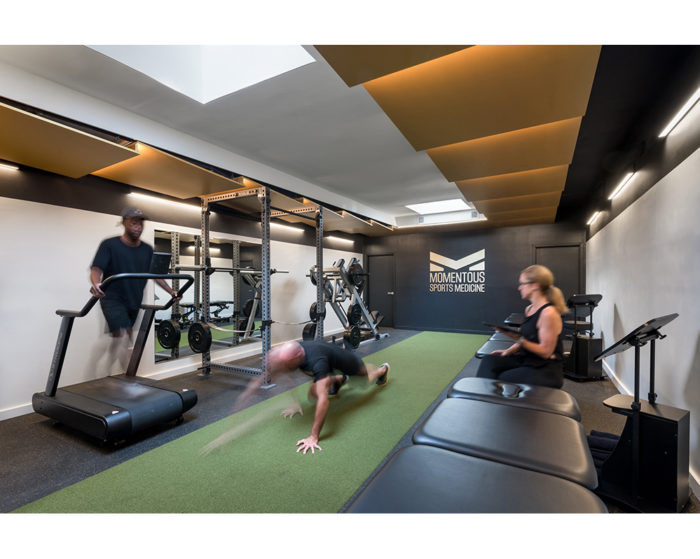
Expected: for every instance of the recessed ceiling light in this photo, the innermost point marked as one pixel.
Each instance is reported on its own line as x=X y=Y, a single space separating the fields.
x=207 y=72
x=439 y=207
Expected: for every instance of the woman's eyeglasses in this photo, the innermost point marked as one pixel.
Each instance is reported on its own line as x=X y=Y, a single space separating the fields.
x=525 y=282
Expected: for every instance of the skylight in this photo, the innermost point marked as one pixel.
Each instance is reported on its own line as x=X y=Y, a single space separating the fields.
x=442 y=206
x=207 y=72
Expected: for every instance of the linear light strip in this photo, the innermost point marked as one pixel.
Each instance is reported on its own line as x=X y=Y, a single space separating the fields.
x=9 y=167
x=286 y=227
x=623 y=183
x=593 y=218
x=164 y=201
x=680 y=114
x=340 y=240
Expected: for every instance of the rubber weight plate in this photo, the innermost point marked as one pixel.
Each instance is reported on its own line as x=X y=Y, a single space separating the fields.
x=168 y=333
x=309 y=332
x=199 y=337
x=357 y=275
x=314 y=315
x=354 y=314
x=353 y=336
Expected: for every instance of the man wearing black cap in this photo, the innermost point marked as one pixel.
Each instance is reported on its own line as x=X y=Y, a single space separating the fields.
x=118 y=255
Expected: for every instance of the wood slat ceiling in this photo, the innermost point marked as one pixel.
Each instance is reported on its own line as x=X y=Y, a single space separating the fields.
x=500 y=121
x=38 y=142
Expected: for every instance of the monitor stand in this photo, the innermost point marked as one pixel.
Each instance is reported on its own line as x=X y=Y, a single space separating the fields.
x=648 y=471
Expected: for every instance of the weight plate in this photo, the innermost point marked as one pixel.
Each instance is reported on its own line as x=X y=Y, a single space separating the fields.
x=353 y=336
x=309 y=332
x=354 y=314
x=168 y=333
x=199 y=337
x=247 y=307
x=313 y=315
x=356 y=275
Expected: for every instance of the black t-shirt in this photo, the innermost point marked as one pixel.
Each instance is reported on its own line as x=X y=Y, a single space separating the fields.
x=115 y=257
x=322 y=358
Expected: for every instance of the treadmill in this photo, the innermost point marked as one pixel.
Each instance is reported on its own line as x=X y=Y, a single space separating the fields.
x=116 y=407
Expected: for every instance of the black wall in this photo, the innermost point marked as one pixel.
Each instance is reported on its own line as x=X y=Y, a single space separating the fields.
x=507 y=251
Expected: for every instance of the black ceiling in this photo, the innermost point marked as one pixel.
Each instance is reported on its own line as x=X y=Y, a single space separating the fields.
x=636 y=91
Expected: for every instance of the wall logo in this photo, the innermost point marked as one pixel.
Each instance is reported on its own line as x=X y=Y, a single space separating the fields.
x=466 y=275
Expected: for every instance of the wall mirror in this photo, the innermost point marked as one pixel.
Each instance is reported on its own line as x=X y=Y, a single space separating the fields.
x=234 y=295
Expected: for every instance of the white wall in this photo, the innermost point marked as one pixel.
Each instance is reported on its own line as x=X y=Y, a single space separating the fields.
x=45 y=258
x=646 y=264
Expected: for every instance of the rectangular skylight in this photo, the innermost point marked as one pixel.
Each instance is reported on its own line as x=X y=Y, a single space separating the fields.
x=439 y=207
x=207 y=72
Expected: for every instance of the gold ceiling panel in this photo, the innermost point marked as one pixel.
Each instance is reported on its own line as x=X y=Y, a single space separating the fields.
x=536 y=215
x=41 y=143
x=523 y=183
x=486 y=90
x=518 y=203
x=356 y=64
x=546 y=145
x=164 y=173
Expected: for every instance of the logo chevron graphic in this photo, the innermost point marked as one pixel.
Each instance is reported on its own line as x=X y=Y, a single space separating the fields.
x=476 y=259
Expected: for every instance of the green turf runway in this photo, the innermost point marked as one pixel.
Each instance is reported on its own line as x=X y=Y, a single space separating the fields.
x=260 y=471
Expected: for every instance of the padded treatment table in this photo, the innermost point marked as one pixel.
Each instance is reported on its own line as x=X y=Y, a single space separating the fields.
x=535 y=440
x=492 y=345
x=425 y=479
x=529 y=396
x=515 y=319
x=501 y=337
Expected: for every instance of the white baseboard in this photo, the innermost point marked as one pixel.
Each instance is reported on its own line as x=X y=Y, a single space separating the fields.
x=694 y=477
x=9 y=413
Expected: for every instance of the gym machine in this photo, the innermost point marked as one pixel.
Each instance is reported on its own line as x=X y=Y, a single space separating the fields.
x=580 y=364
x=113 y=408
x=339 y=284
x=648 y=468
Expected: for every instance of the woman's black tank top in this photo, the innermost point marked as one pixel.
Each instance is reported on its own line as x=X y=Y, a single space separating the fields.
x=528 y=330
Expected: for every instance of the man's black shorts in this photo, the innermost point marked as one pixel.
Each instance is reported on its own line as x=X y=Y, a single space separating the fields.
x=322 y=358
x=118 y=316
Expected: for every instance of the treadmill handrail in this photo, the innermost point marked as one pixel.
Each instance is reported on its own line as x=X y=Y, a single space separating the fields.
x=117 y=277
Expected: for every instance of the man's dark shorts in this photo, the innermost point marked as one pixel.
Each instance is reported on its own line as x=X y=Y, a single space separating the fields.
x=118 y=316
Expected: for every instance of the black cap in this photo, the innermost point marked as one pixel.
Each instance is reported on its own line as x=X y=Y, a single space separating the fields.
x=133 y=212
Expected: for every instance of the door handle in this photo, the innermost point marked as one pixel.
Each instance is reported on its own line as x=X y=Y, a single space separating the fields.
x=389 y=292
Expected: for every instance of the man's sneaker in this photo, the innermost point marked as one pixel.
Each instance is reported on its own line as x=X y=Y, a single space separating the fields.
x=383 y=379
x=336 y=386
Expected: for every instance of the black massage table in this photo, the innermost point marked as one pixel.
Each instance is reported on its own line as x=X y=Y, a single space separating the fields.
x=546 y=442
x=426 y=479
x=541 y=398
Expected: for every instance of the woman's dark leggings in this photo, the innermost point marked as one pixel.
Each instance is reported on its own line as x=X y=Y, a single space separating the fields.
x=511 y=369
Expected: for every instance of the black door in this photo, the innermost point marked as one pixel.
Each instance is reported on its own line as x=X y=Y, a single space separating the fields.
x=380 y=286
x=565 y=263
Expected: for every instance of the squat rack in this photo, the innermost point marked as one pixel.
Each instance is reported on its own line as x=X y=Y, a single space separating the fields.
x=253 y=198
